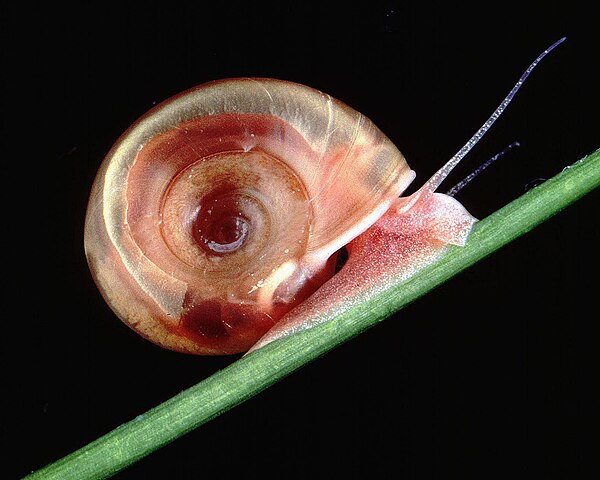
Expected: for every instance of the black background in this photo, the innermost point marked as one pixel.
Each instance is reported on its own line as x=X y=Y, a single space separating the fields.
x=486 y=377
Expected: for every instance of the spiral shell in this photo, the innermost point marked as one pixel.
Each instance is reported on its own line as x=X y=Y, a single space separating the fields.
x=223 y=207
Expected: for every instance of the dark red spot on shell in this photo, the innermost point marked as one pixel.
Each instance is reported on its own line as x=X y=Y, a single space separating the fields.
x=229 y=328
x=204 y=319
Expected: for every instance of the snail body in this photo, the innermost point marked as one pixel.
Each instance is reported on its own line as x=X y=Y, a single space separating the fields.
x=215 y=219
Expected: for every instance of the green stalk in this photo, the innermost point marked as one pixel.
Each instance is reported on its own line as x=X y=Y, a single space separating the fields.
x=257 y=371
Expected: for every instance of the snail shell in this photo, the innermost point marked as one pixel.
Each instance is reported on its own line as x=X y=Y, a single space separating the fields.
x=222 y=208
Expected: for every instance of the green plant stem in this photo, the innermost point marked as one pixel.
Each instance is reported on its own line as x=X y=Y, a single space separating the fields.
x=257 y=371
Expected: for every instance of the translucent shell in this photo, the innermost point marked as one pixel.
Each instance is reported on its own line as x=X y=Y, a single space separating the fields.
x=221 y=209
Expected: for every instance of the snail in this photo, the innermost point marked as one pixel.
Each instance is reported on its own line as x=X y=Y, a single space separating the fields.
x=214 y=222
